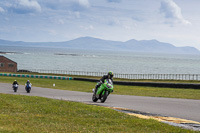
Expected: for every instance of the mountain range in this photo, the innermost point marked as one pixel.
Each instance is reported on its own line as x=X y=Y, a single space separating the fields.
x=145 y=46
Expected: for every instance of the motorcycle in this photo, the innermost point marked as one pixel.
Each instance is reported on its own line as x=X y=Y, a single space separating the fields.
x=28 y=88
x=15 y=87
x=103 y=91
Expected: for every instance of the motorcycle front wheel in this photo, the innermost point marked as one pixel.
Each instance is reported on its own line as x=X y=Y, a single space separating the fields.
x=94 y=98
x=28 y=90
x=104 y=97
x=15 y=89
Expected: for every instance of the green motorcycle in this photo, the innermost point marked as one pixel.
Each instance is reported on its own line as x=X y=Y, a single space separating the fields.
x=103 y=91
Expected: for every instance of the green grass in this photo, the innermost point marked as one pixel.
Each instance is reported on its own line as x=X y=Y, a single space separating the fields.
x=35 y=115
x=158 y=92
x=118 y=89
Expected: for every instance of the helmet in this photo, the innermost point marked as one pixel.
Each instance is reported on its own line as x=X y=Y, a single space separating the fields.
x=15 y=80
x=110 y=73
x=28 y=81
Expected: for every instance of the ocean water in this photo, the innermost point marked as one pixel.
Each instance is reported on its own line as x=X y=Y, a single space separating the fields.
x=122 y=62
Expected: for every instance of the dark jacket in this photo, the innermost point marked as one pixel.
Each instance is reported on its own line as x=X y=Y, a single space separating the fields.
x=15 y=82
x=105 y=77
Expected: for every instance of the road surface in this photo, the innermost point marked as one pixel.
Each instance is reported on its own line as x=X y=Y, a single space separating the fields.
x=172 y=107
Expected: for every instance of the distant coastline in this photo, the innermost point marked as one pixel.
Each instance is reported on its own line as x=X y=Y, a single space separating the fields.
x=90 y=43
x=2 y=52
x=67 y=54
x=29 y=58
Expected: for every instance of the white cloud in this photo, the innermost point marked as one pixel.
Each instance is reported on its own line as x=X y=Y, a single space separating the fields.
x=31 y=4
x=90 y=27
x=74 y=5
x=1 y=9
x=117 y=1
x=84 y=3
x=172 y=12
x=75 y=14
x=24 y=6
x=52 y=32
x=79 y=5
x=61 y=21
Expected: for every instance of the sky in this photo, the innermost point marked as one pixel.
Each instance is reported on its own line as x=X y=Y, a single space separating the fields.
x=171 y=21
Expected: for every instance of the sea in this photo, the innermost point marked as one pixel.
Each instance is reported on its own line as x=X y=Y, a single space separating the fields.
x=121 y=62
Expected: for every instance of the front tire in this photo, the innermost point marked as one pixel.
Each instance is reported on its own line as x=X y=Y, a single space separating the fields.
x=94 y=98
x=28 y=90
x=104 y=97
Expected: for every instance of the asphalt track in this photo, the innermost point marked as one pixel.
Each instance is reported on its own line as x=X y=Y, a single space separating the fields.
x=171 y=107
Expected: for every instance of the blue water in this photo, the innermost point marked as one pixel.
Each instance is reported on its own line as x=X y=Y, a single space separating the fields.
x=102 y=61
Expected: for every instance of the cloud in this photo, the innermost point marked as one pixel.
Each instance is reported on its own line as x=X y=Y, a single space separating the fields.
x=61 y=21
x=73 y=5
x=52 y=32
x=84 y=3
x=90 y=27
x=75 y=14
x=24 y=6
x=138 y=18
x=1 y=9
x=55 y=4
x=116 y=1
x=172 y=12
x=80 y=5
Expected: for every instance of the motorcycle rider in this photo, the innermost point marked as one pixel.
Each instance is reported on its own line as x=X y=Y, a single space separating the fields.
x=28 y=82
x=108 y=76
x=15 y=82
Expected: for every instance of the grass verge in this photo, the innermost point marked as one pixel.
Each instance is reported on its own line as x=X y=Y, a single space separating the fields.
x=118 y=89
x=35 y=114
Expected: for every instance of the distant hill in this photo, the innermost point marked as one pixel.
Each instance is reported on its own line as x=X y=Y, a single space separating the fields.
x=150 y=46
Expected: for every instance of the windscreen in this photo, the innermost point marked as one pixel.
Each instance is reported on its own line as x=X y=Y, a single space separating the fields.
x=109 y=81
